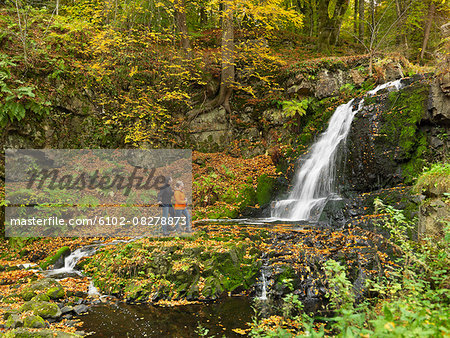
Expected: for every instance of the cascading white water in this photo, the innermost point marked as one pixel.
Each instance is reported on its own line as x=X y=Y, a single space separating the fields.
x=263 y=287
x=71 y=261
x=314 y=182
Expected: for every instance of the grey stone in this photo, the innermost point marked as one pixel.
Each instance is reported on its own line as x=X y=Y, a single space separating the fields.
x=439 y=104
x=66 y=309
x=80 y=309
x=393 y=71
x=211 y=127
x=326 y=85
x=356 y=77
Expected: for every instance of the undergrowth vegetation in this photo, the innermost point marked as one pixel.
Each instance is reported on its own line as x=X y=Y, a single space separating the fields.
x=413 y=301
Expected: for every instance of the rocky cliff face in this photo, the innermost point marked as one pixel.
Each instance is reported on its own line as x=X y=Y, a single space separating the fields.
x=395 y=132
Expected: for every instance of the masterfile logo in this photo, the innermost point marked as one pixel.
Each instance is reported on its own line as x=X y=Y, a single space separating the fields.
x=95 y=192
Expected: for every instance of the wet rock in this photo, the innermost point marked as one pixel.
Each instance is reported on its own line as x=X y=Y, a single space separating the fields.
x=66 y=309
x=50 y=260
x=385 y=145
x=61 y=260
x=80 y=309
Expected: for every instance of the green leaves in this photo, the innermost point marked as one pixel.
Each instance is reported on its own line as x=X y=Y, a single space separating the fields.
x=295 y=107
x=15 y=97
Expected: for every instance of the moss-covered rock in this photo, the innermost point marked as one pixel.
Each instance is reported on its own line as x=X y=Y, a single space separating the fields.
x=11 y=299
x=42 y=309
x=27 y=294
x=44 y=284
x=9 y=313
x=13 y=321
x=176 y=269
x=264 y=189
x=41 y=297
x=35 y=322
x=50 y=260
x=55 y=292
x=386 y=146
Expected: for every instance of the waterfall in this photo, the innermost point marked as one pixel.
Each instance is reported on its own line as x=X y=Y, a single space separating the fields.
x=314 y=182
x=70 y=262
x=263 y=287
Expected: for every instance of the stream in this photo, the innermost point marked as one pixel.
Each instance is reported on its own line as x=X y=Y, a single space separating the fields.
x=143 y=320
x=119 y=319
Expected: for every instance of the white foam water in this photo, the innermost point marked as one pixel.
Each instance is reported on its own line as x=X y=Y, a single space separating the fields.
x=314 y=183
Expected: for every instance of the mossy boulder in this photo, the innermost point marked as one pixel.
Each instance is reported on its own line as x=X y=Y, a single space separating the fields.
x=41 y=297
x=44 y=284
x=27 y=294
x=11 y=299
x=35 y=322
x=213 y=288
x=55 y=292
x=13 y=321
x=137 y=291
x=264 y=189
x=9 y=313
x=50 y=260
x=42 y=309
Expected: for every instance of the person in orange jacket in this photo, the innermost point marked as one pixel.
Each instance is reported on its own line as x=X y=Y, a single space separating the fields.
x=181 y=206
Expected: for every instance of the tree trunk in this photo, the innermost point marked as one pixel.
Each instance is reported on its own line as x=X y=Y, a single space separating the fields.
x=355 y=17
x=203 y=15
x=180 y=19
x=338 y=17
x=403 y=38
x=361 y=20
x=329 y=28
x=227 y=78
x=324 y=25
x=426 y=33
x=227 y=75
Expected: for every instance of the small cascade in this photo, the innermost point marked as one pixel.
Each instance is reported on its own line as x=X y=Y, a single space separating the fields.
x=70 y=262
x=68 y=270
x=264 y=281
x=314 y=182
x=263 y=287
x=93 y=291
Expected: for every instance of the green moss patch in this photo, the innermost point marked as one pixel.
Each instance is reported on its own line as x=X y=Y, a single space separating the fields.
x=197 y=268
x=50 y=260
